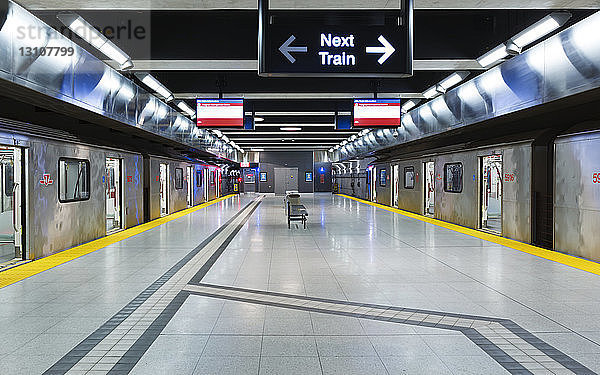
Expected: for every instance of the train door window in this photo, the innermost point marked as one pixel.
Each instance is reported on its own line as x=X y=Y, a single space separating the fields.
x=199 y=178
x=113 y=187
x=179 y=178
x=491 y=193
x=73 y=180
x=409 y=177
x=429 y=188
x=395 y=184
x=164 y=189
x=453 y=177
x=11 y=204
x=190 y=186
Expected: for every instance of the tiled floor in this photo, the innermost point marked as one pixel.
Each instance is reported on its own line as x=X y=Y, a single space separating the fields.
x=349 y=252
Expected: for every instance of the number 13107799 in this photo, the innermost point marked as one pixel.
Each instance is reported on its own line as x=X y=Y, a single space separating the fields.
x=47 y=51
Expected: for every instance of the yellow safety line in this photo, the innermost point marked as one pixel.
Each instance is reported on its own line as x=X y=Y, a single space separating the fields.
x=16 y=274
x=555 y=256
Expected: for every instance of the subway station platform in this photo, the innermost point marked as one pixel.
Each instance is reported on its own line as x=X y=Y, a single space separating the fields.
x=229 y=289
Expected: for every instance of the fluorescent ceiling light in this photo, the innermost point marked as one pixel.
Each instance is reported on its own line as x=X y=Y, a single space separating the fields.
x=538 y=30
x=186 y=108
x=154 y=85
x=493 y=56
x=290 y=129
x=431 y=92
x=407 y=106
x=259 y=119
x=452 y=80
x=94 y=37
x=257 y=149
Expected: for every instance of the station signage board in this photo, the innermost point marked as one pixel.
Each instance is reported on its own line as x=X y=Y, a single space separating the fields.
x=369 y=43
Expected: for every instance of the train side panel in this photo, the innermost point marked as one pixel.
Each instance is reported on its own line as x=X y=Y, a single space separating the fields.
x=577 y=195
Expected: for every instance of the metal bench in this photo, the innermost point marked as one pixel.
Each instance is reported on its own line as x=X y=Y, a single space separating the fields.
x=296 y=212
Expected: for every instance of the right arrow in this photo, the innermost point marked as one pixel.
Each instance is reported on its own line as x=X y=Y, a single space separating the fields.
x=387 y=49
x=285 y=49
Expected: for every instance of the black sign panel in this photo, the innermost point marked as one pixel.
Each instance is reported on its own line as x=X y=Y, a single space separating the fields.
x=3 y=12
x=370 y=43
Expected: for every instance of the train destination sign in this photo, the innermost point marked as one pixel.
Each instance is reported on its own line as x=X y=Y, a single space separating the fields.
x=335 y=43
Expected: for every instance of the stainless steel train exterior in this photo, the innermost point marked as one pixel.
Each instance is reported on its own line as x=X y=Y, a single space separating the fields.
x=464 y=207
x=58 y=192
x=577 y=194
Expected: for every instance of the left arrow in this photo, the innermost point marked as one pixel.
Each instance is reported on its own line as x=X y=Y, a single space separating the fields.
x=387 y=49
x=285 y=49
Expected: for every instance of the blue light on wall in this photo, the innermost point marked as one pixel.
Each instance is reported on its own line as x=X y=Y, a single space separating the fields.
x=322 y=169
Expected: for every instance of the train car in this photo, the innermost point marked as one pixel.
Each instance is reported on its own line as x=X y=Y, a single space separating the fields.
x=57 y=191
x=487 y=188
x=577 y=194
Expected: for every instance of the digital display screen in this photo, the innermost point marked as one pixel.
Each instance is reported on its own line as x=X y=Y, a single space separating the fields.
x=373 y=113
x=220 y=113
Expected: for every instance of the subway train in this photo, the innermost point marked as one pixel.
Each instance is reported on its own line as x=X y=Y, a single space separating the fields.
x=58 y=191
x=536 y=189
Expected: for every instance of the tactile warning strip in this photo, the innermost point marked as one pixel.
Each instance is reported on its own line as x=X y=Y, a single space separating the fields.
x=110 y=348
x=514 y=348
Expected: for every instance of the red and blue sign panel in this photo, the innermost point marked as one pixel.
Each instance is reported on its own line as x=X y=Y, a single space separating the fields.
x=377 y=113
x=219 y=113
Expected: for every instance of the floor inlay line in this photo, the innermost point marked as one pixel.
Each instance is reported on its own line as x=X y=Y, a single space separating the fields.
x=119 y=343
x=514 y=348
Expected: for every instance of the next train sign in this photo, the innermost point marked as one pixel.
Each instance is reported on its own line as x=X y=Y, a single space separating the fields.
x=311 y=43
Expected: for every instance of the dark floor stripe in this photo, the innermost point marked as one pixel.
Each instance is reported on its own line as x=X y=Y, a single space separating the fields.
x=137 y=350
x=490 y=348
x=83 y=348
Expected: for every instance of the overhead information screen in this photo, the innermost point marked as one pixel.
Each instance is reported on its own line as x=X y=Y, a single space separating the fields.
x=335 y=43
x=220 y=113
x=374 y=113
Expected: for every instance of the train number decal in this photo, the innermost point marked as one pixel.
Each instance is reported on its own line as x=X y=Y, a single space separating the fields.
x=596 y=178
x=510 y=177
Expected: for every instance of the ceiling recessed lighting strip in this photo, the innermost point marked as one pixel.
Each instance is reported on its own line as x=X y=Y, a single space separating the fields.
x=91 y=35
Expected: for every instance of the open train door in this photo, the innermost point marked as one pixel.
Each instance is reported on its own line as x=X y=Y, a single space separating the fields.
x=13 y=190
x=429 y=188
x=491 y=193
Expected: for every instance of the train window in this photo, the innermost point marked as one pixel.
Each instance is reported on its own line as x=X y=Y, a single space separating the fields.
x=198 y=177
x=73 y=180
x=453 y=178
x=382 y=177
x=178 y=178
x=409 y=177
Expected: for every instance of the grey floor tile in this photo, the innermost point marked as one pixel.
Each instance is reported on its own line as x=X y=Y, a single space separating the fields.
x=233 y=346
x=290 y=365
x=345 y=346
x=208 y=365
x=352 y=366
x=289 y=346
x=417 y=365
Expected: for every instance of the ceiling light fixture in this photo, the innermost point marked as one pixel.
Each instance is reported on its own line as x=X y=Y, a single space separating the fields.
x=407 y=106
x=493 y=56
x=431 y=92
x=259 y=119
x=186 y=109
x=290 y=129
x=94 y=37
x=452 y=80
x=154 y=85
x=536 y=31
x=257 y=149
